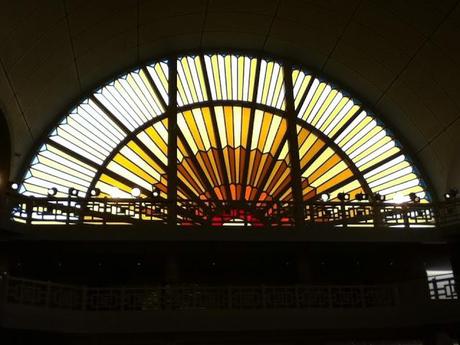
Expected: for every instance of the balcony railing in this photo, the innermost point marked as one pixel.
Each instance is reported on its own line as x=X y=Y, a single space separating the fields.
x=194 y=297
x=232 y=213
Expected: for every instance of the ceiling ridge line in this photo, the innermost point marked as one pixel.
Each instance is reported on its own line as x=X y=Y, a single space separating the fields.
x=203 y=24
x=415 y=54
x=275 y=14
x=437 y=135
x=72 y=47
x=137 y=32
x=339 y=39
x=16 y=99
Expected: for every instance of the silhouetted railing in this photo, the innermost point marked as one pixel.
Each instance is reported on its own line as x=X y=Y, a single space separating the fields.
x=232 y=213
x=194 y=297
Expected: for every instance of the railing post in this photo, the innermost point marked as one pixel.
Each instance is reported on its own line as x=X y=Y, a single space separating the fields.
x=405 y=210
x=264 y=302
x=435 y=289
x=229 y=296
x=84 y=298
x=377 y=215
x=67 y=214
x=122 y=298
x=29 y=209
x=343 y=214
x=48 y=292
x=4 y=289
x=296 y=296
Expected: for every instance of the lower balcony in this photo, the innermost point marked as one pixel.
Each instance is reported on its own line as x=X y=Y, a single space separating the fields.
x=45 y=306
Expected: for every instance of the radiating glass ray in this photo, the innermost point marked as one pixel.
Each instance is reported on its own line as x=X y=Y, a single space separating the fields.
x=52 y=167
x=202 y=169
x=133 y=98
x=191 y=86
x=270 y=89
x=139 y=163
x=322 y=167
x=231 y=77
x=358 y=134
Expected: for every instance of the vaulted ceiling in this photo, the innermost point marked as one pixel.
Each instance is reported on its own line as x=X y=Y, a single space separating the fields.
x=400 y=57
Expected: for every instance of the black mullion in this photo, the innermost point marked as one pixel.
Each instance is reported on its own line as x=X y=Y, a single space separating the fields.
x=110 y=157
x=155 y=88
x=346 y=124
x=191 y=194
x=339 y=185
x=202 y=176
x=304 y=96
x=240 y=103
x=244 y=181
x=59 y=177
x=272 y=165
x=144 y=148
x=124 y=180
x=74 y=154
x=216 y=130
x=292 y=139
x=171 y=111
x=384 y=161
x=79 y=139
x=110 y=115
x=302 y=170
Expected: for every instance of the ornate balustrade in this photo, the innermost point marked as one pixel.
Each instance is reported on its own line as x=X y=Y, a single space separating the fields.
x=194 y=297
x=232 y=213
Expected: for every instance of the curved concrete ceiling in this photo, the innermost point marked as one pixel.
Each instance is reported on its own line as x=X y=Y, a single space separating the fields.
x=400 y=57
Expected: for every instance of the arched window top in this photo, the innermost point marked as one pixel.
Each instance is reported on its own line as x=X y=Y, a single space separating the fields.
x=234 y=115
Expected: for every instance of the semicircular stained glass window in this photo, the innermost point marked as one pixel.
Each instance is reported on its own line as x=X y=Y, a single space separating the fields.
x=232 y=116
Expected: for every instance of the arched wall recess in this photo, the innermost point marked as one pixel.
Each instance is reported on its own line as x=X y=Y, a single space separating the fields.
x=233 y=118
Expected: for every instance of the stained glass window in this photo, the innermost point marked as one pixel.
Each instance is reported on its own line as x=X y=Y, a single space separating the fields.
x=231 y=128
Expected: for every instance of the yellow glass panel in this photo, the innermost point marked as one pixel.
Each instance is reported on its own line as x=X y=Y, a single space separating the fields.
x=342 y=121
x=317 y=145
x=216 y=74
x=379 y=158
x=64 y=169
x=241 y=78
x=162 y=76
x=358 y=127
x=339 y=178
x=321 y=115
x=202 y=129
x=228 y=111
x=209 y=126
x=133 y=146
x=318 y=162
x=228 y=75
x=113 y=182
x=266 y=122
x=124 y=162
x=266 y=85
x=252 y=78
x=201 y=78
x=397 y=167
x=313 y=101
x=395 y=182
x=332 y=166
